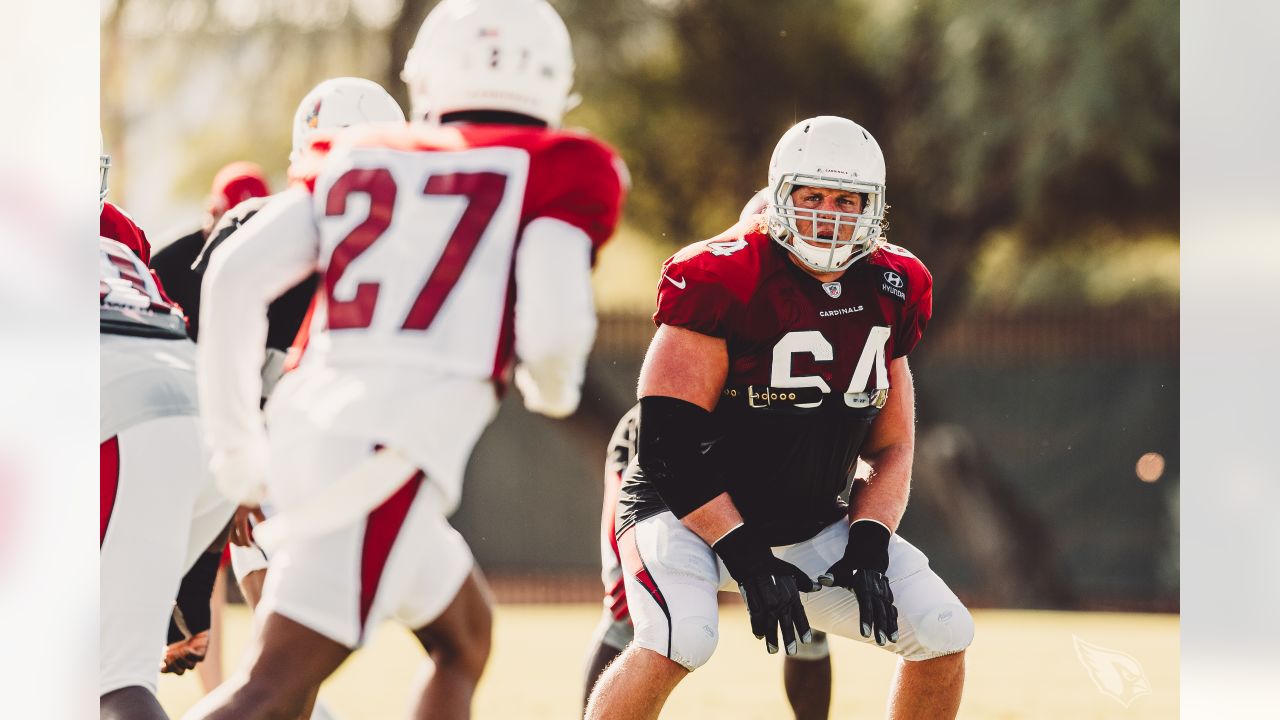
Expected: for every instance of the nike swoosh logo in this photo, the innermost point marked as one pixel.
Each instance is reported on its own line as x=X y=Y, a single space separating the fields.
x=680 y=284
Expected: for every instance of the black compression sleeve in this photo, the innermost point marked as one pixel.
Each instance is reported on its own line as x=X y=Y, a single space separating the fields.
x=673 y=434
x=193 y=597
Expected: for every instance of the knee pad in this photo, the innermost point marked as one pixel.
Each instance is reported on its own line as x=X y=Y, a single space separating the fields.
x=693 y=640
x=946 y=629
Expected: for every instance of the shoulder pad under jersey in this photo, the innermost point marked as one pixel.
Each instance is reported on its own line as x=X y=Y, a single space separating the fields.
x=130 y=302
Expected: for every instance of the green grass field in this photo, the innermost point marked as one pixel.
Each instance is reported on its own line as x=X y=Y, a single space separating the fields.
x=1022 y=664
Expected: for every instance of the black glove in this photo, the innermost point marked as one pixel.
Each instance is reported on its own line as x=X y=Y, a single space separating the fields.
x=862 y=570
x=770 y=587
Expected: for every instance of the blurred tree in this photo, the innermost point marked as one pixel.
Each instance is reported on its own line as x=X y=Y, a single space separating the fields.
x=1051 y=120
x=189 y=85
x=400 y=36
x=1022 y=126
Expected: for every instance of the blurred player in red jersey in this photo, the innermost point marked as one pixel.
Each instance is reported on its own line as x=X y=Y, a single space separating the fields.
x=160 y=508
x=779 y=361
x=114 y=223
x=188 y=634
x=454 y=252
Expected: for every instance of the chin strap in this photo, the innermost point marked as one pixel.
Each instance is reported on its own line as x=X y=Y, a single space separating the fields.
x=820 y=258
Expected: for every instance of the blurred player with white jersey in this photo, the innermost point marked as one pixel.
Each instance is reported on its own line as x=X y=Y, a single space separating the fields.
x=331 y=105
x=454 y=253
x=160 y=508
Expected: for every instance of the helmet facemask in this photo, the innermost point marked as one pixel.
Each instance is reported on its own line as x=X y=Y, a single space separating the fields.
x=104 y=164
x=853 y=235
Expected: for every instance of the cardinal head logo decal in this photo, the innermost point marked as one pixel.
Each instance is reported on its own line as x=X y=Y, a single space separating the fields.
x=1117 y=675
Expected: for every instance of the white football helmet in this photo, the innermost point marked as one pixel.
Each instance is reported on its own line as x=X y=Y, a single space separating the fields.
x=104 y=164
x=506 y=55
x=341 y=102
x=827 y=152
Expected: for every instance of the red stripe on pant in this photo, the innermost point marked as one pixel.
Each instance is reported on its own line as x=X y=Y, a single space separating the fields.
x=631 y=562
x=616 y=600
x=109 y=481
x=615 y=595
x=634 y=564
x=380 y=534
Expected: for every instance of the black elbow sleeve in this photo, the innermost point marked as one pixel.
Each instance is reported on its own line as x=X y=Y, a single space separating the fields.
x=192 y=606
x=673 y=436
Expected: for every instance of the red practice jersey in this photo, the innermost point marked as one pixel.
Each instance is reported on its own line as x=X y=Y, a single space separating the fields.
x=115 y=224
x=508 y=175
x=808 y=369
x=748 y=292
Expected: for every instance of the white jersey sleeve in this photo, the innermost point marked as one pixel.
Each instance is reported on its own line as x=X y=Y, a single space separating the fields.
x=274 y=251
x=555 y=317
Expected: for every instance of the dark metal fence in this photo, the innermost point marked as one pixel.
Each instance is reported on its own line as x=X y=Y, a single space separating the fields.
x=1057 y=408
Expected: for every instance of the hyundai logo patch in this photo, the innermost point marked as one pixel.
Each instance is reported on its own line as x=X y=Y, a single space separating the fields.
x=894 y=285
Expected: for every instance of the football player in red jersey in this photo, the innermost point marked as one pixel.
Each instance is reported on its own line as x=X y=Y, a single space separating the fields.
x=779 y=361
x=806 y=675
x=114 y=223
x=454 y=252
